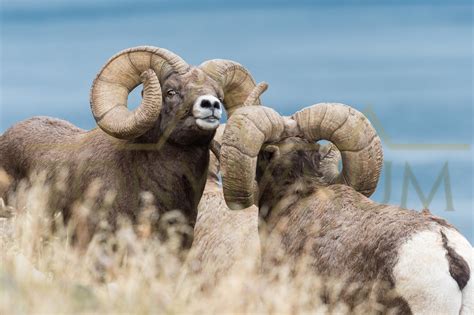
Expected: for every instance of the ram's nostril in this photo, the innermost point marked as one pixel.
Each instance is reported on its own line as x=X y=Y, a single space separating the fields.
x=217 y=105
x=206 y=104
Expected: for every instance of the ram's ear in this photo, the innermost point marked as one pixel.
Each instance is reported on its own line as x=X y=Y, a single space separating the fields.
x=270 y=152
x=329 y=152
x=330 y=158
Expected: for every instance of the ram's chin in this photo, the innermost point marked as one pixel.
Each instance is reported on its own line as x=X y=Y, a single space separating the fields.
x=207 y=123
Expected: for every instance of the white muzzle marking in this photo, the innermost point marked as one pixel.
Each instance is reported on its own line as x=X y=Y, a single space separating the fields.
x=207 y=110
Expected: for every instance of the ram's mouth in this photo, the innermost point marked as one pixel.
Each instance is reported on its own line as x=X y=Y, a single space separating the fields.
x=208 y=123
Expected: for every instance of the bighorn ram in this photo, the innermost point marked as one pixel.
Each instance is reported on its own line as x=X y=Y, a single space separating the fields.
x=301 y=194
x=161 y=147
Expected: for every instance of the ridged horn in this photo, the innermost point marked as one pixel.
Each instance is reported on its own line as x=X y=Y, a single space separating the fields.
x=246 y=131
x=353 y=135
x=254 y=96
x=119 y=76
x=235 y=80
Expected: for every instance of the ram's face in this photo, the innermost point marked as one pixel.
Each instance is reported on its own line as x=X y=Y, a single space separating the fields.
x=192 y=107
x=181 y=104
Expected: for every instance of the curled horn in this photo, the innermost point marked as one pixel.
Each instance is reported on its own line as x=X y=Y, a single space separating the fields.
x=119 y=76
x=353 y=135
x=250 y=127
x=246 y=131
x=254 y=96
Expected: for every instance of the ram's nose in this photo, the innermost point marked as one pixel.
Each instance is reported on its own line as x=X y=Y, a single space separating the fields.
x=207 y=110
x=208 y=102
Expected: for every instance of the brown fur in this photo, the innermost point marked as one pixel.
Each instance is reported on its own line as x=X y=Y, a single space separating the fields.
x=170 y=160
x=343 y=233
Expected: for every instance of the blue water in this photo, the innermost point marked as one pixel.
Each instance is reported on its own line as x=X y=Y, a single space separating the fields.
x=408 y=65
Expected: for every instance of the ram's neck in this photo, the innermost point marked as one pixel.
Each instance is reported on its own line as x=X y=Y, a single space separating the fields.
x=175 y=175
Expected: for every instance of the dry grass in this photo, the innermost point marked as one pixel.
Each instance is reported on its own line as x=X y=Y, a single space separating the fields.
x=132 y=271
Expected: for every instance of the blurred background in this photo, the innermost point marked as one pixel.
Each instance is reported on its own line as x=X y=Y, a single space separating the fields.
x=408 y=65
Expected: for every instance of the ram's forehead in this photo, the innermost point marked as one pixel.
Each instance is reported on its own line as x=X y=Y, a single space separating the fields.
x=198 y=76
x=195 y=78
x=194 y=82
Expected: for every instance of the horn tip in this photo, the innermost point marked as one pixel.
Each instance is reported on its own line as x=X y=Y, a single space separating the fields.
x=263 y=85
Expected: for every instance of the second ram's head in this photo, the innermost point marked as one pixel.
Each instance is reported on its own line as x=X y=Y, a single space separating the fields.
x=263 y=153
x=181 y=103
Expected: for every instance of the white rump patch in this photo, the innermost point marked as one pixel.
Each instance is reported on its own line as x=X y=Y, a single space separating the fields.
x=422 y=276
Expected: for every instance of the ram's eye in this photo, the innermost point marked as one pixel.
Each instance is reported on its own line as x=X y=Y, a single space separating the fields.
x=221 y=99
x=171 y=93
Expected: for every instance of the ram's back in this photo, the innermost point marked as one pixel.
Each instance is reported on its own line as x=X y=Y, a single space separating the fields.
x=350 y=235
x=36 y=141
